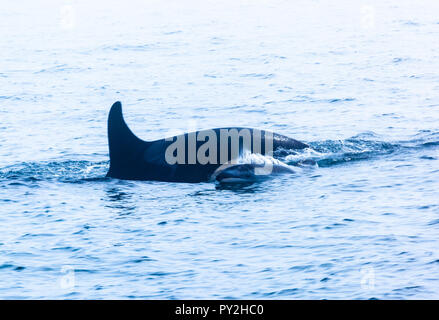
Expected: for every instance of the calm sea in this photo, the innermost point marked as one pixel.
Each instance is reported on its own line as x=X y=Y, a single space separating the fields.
x=357 y=81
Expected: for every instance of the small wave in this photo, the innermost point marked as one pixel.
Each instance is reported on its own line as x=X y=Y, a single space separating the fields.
x=304 y=98
x=330 y=152
x=425 y=138
x=303 y=157
x=410 y=23
x=60 y=68
x=12 y=267
x=130 y=47
x=334 y=100
x=63 y=171
x=9 y=98
x=363 y=146
x=258 y=75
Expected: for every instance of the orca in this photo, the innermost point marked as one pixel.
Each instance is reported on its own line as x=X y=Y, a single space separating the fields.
x=248 y=172
x=191 y=157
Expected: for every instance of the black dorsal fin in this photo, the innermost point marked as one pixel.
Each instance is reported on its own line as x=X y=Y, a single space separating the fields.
x=125 y=148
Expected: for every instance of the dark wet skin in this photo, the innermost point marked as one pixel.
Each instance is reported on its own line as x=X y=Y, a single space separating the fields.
x=134 y=159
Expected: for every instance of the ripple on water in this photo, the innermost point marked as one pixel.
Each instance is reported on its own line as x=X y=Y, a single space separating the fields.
x=368 y=112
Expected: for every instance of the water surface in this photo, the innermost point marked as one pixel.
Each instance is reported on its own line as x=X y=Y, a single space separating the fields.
x=359 y=83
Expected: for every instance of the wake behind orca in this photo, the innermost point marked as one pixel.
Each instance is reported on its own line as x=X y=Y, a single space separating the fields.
x=191 y=157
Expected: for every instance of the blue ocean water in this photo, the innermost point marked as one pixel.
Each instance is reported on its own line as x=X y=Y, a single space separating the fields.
x=358 y=82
